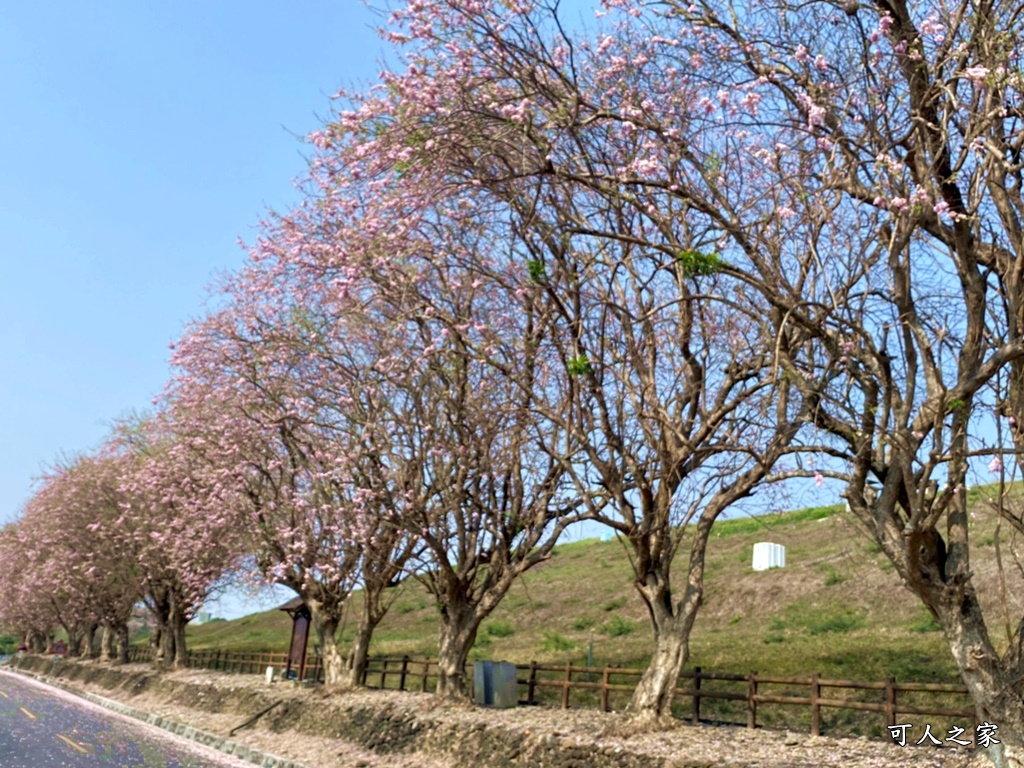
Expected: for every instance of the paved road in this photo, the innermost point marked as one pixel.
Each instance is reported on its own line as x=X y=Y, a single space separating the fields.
x=44 y=727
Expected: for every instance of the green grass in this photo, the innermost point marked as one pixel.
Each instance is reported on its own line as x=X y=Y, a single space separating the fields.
x=617 y=626
x=554 y=642
x=927 y=623
x=500 y=628
x=836 y=622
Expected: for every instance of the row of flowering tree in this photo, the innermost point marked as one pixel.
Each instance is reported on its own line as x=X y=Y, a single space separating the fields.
x=104 y=533
x=851 y=169
x=632 y=272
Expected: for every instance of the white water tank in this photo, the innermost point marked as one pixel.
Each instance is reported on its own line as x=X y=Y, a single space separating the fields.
x=768 y=555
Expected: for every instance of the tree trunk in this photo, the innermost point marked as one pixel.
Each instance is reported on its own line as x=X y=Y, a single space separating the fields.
x=360 y=650
x=326 y=624
x=74 y=641
x=107 y=645
x=671 y=623
x=178 y=653
x=37 y=642
x=161 y=641
x=996 y=685
x=652 y=699
x=156 y=642
x=92 y=642
x=459 y=625
x=122 y=640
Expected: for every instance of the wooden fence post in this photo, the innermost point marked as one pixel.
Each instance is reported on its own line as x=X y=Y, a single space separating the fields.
x=696 y=695
x=531 y=686
x=751 y=700
x=566 y=684
x=890 y=701
x=604 y=690
x=383 y=672
x=405 y=669
x=815 y=706
x=426 y=670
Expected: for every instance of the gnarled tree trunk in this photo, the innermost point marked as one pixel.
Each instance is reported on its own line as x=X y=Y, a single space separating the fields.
x=92 y=641
x=325 y=621
x=671 y=624
x=74 y=640
x=459 y=625
x=360 y=650
x=177 y=653
x=121 y=640
x=107 y=644
x=996 y=685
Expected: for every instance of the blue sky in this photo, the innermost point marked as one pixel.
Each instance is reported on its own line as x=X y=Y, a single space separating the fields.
x=141 y=140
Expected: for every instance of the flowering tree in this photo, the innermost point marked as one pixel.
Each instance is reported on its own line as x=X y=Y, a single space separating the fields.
x=665 y=361
x=182 y=533
x=898 y=133
x=85 y=571
x=23 y=609
x=274 y=397
x=486 y=405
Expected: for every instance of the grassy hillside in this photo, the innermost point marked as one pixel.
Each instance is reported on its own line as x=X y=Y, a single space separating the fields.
x=837 y=608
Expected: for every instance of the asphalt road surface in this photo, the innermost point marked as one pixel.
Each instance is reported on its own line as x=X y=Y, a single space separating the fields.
x=44 y=727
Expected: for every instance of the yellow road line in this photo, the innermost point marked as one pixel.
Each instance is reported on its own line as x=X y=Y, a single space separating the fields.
x=27 y=713
x=74 y=744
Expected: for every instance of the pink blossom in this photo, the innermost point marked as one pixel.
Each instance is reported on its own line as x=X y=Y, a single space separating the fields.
x=996 y=465
x=977 y=74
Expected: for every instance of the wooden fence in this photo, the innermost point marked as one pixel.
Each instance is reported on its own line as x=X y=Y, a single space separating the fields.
x=242 y=662
x=596 y=686
x=603 y=682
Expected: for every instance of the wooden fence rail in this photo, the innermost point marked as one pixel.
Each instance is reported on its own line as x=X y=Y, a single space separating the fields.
x=406 y=674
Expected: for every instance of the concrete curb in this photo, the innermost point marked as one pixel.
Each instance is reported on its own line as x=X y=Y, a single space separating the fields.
x=228 y=747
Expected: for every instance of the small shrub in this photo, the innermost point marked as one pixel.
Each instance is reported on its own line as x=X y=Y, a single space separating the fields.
x=777 y=625
x=837 y=622
x=499 y=628
x=617 y=626
x=736 y=619
x=582 y=622
x=833 y=578
x=556 y=642
x=611 y=605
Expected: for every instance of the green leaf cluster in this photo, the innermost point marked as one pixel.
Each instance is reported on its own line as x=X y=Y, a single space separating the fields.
x=697 y=263
x=579 y=366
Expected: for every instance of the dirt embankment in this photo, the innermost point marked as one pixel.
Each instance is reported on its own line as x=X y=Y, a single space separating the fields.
x=364 y=729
